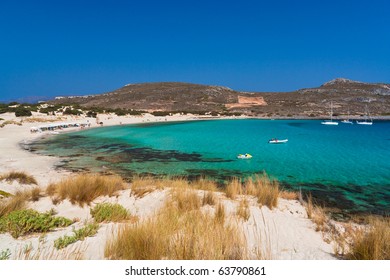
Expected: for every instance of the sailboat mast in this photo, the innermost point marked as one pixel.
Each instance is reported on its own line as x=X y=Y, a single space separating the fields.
x=331 y=111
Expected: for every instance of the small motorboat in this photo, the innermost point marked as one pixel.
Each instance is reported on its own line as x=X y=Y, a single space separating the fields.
x=245 y=156
x=277 y=141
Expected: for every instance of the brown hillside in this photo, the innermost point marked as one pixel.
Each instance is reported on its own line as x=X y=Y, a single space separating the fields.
x=346 y=95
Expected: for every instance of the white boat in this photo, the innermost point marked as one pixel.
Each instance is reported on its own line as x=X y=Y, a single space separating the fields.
x=277 y=141
x=330 y=122
x=245 y=156
x=366 y=122
x=347 y=121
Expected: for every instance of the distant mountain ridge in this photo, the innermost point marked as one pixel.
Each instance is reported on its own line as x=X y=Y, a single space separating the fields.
x=186 y=97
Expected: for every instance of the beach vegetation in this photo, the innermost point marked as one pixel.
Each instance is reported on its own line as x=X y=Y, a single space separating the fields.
x=205 y=184
x=22 y=112
x=23 y=222
x=267 y=191
x=35 y=193
x=243 y=210
x=289 y=195
x=233 y=188
x=78 y=235
x=220 y=214
x=177 y=234
x=72 y=111
x=4 y=194
x=142 y=185
x=91 y=114
x=84 y=188
x=186 y=199
x=19 y=200
x=10 y=122
x=109 y=212
x=317 y=214
x=21 y=177
x=5 y=254
x=209 y=198
x=372 y=242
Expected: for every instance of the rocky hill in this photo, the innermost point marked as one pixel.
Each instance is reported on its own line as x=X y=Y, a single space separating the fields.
x=346 y=95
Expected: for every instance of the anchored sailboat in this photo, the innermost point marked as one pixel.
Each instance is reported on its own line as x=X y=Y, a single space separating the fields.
x=330 y=122
x=366 y=122
x=347 y=121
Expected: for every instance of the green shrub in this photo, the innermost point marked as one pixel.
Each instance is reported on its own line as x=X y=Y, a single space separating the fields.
x=5 y=254
x=69 y=111
x=91 y=114
x=4 y=194
x=22 y=222
x=80 y=234
x=22 y=112
x=108 y=212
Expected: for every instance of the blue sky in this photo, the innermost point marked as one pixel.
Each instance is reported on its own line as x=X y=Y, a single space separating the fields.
x=51 y=48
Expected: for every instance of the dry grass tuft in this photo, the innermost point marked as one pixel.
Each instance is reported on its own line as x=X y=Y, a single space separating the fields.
x=205 y=184
x=35 y=194
x=209 y=198
x=289 y=195
x=140 y=186
x=371 y=244
x=316 y=214
x=250 y=187
x=220 y=214
x=186 y=199
x=10 y=122
x=85 y=188
x=21 y=177
x=267 y=191
x=243 y=210
x=19 y=200
x=234 y=188
x=40 y=119
x=177 y=234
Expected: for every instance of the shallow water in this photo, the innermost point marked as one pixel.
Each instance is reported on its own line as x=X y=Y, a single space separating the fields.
x=346 y=166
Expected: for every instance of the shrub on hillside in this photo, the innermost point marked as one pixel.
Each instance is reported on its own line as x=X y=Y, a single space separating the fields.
x=22 y=112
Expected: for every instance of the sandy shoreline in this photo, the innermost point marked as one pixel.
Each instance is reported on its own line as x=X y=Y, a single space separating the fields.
x=290 y=234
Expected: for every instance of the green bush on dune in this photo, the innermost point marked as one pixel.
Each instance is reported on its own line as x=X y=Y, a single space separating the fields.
x=23 y=222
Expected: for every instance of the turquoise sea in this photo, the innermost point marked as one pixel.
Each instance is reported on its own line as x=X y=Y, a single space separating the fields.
x=346 y=166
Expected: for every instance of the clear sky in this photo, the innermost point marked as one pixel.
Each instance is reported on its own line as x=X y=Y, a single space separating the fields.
x=51 y=48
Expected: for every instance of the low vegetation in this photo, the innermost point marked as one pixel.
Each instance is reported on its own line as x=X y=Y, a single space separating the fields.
x=180 y=230
x=243 y=210
x=10 y=122
x=233 y=188
x=23 y=222
x=316 y=214
x=5 y=254
x=109 y=212
x=80 y=234
x=21 y=177
x=374 y=244
x=18 y=201
x=209 y=198
x=265 y=189
x=186 y=199
x=4 y=194
x=83 y=189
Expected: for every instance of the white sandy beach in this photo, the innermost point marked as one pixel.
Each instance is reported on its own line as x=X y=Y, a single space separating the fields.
x=285 y=231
